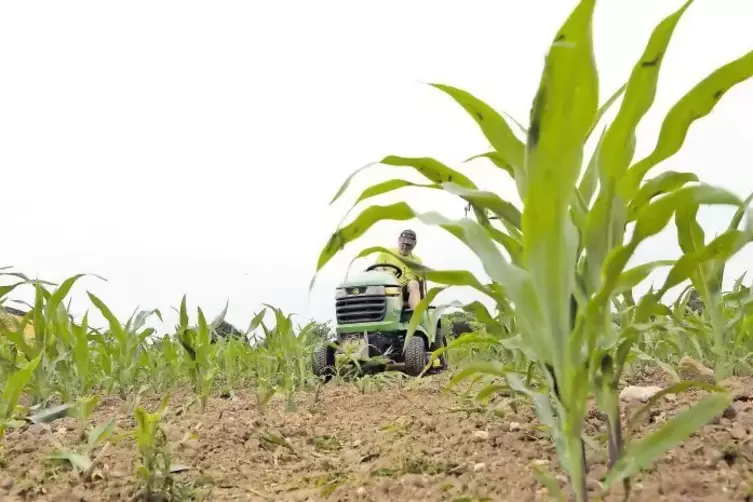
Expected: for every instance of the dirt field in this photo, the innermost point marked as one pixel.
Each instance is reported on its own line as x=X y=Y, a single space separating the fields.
x=389 y=445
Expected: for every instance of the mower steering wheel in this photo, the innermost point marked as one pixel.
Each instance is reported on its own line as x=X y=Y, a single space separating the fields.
x=398 y=271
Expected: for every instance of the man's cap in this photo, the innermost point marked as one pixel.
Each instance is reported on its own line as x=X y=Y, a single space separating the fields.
x=409 y=234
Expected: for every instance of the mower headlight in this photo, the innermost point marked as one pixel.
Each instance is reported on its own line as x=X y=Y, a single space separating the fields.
x=340 y=292
x=392 y=290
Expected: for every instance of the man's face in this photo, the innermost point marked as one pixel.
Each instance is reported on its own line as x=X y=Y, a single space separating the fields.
x=405 y=245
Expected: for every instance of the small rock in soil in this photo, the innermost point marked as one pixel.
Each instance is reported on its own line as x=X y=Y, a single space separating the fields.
x=480 y=467
x=514 y=426
x=636 y=393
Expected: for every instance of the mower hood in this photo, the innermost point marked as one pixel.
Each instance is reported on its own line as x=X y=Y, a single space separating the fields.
x=371 y=278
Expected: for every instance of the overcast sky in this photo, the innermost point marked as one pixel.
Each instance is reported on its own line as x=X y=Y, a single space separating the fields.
x=193 y=147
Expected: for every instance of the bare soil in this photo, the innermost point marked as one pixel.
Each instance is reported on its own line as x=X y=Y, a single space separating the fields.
x=418 y=443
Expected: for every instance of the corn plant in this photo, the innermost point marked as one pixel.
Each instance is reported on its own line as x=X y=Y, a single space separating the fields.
x=62 y=344
x=566 y=252
x=121 y=346
x=154 y=467
x=201 y=351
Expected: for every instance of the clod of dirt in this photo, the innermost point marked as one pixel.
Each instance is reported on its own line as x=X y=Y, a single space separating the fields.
x=690 y=369
x=736 y=387
x=737 y=432
x=729 y=412
x=637 y=393
x=480 y=467
x=481 y=435
x=515 y=426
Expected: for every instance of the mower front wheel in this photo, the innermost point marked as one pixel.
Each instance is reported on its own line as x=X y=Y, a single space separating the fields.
x=323 y=362
x=415 y=356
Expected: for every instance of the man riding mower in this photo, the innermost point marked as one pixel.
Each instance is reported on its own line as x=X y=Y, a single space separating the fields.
x=373 y=311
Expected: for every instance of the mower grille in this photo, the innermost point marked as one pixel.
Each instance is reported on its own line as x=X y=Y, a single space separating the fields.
x=358 y=309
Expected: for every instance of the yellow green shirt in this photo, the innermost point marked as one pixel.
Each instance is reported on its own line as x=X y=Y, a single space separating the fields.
x=408 y=274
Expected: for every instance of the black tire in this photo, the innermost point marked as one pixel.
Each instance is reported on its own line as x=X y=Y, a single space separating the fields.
x=415 y=356
x=323 y=362
x=439 y=342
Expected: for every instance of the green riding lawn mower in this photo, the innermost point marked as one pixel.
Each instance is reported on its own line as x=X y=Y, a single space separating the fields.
x=373 y=320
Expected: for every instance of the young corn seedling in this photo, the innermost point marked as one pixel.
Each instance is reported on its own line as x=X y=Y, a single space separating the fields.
x=566 y=251
x=201 y=352
x=155 y=469
x=289 y=352
x=54 y=340
x=120 y=347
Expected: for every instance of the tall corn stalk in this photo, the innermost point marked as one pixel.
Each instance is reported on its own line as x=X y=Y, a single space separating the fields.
x=569 y=246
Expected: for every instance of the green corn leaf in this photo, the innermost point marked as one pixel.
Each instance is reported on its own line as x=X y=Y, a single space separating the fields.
x=389 y=186
x=642 y=453
x=482 y=314
x=497 y=159
x=523 y=129
x=629 y=279
x=79 y=462
x=399 y=211
x=483 y=200
x=619 y=139
x=734 y=223
x=115 y=327
x=221 y=316
x=508 y=147
x=722 y=248
x=589 y=181
x=488 y=201
x=256 y=321
x=101 y=433
x=696 y=104
x=512 y=245
x=488 y=368
x=183 y=314
x=604 y=108
x=677 y=388
x=13 y=388
x=432 y=169
x=7 y=289
x=60 y=293
x=490 y=389
x=662 y=184
x=655 y=216
x=420 y=310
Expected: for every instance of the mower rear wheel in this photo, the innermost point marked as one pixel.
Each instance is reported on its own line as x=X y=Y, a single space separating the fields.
x=323 y=362
x=415 y=356
x=439 y=342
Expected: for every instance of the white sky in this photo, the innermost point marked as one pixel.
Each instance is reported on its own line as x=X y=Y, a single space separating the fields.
x=193 y=147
